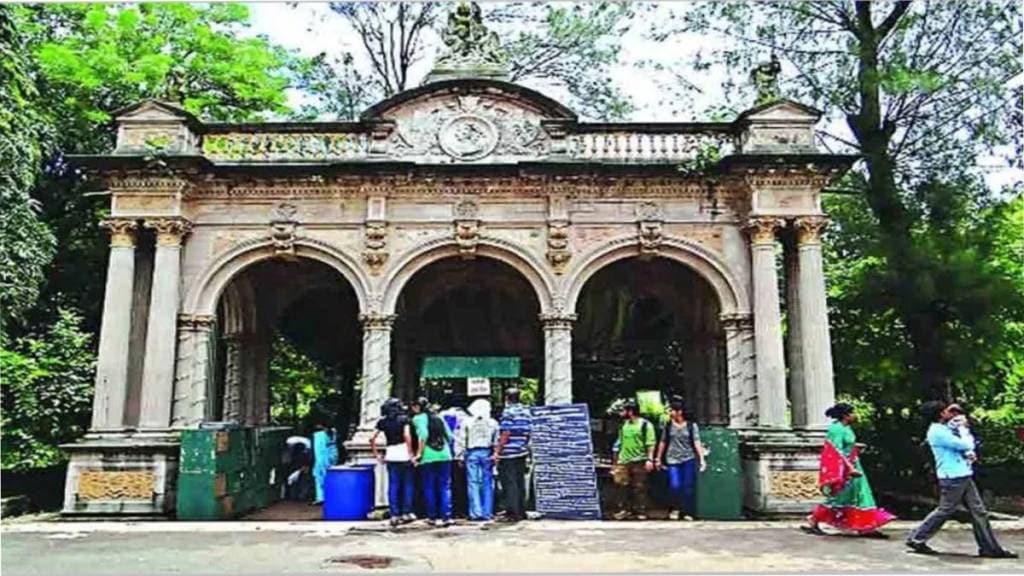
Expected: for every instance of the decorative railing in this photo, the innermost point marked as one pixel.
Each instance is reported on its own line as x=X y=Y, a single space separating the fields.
x=632 y=146
x=293 y=146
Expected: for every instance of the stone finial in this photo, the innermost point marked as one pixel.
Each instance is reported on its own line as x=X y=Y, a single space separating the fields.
x=765 y=78
x=471 y=50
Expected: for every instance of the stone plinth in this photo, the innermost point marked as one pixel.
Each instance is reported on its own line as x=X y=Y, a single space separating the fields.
x=780 y=471
x=122 y=474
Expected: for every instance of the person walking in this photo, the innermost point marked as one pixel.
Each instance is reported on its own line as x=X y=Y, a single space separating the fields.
x=434 y=458
x=397 y=456
x=849 y=503
x=683 y=455
x=474 y=444
x=633 y=461
x=511 y=453
x=954 y=466
x=325 y=455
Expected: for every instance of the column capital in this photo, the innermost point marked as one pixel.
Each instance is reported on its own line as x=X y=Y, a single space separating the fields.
x=557 y=320
x=809 y=229
x=737 y=321
x=196 y=322
x=169 y=231
x=122 y=231
x=377 y=321
x=762 y=229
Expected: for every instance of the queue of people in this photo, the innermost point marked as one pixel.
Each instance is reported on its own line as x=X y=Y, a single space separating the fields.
x=421 y=447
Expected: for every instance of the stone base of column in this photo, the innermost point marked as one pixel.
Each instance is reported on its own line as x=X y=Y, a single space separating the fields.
x=780 y=471
x=122 y=474
x=358 y=452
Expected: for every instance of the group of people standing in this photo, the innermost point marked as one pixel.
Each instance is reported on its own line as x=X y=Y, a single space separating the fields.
x=424 y=448
x=850 y=505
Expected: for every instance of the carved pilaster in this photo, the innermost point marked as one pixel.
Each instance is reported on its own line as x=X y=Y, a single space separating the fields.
x=467 y=228
x=557 y=357
x=193 y=382
x=375 y=243
x=740 y=368
x=122 y=231
x=649 y=228
x=169 y=231
x=376 y=366
x=558 y=253
x=283 y=226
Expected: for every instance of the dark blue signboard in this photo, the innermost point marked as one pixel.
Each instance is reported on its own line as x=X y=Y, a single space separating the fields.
x=564 y=481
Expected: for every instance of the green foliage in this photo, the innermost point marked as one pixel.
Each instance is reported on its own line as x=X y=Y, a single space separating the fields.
x=296 y=383
x=47 y=393
x=26 y=244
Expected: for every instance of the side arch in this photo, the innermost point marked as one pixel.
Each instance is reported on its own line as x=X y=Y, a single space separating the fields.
x=731 y=295
x=201 y=297
x=412 y=261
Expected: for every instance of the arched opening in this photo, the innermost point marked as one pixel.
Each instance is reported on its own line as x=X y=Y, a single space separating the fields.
x=289 y=346
x=454 y=309
x=649 y=324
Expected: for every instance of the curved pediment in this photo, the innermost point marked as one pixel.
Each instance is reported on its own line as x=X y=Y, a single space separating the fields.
x=467 y=120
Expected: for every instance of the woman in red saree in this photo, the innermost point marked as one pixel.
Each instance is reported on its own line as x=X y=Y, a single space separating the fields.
x=849 y=504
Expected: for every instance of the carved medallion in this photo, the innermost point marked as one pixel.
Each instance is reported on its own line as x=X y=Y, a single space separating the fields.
x=468 y=137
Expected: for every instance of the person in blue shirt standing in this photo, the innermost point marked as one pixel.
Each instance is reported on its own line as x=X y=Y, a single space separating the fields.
x=954 y=460
x=511 y=453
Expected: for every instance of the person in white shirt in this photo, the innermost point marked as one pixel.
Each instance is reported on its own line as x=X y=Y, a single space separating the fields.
x=474 y=444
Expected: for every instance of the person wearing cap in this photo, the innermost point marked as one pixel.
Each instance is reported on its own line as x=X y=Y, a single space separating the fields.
x=954 y=466
x=474 y=443
x=634 y=460
x=397 y=455
x=511 y=453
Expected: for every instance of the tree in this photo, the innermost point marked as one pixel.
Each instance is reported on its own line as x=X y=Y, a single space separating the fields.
x=47 y=393
x=90 y=60
x=570 y=46
x=921 y=89
x=26 y=244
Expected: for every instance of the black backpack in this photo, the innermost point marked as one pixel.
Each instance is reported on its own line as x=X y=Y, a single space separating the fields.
x=436 y=434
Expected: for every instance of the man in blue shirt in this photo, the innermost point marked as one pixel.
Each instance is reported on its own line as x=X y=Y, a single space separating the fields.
x=511 y=452
x=954 y=459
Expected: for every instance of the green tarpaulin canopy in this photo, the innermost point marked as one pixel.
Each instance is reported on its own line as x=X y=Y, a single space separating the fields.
x=470 y=366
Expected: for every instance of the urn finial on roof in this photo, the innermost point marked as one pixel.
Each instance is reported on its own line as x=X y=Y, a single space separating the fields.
x=471 y=50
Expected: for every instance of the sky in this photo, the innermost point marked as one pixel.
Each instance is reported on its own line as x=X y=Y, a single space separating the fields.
x=310 y=28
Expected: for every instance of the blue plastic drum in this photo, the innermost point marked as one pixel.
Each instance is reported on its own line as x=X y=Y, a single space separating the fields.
x=348 y=492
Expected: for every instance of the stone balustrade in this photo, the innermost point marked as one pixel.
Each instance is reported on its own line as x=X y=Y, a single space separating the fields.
x=637 y=146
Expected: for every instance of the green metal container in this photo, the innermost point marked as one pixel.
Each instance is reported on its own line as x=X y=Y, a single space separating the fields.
x=720 y=487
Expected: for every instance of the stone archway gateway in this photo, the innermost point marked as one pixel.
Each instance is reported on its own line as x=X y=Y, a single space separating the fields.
x=467 y=166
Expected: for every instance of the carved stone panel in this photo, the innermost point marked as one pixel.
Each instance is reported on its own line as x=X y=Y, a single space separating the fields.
x=795 y=485
x=115 y=485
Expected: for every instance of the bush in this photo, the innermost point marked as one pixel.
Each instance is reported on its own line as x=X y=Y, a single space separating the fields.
x=47 y=393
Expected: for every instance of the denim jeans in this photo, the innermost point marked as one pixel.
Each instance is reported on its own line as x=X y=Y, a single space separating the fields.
x=682 y=483
x=512 y=472
x=953 y=491
x=400 y=488
x=437 y=489
x=480 y=483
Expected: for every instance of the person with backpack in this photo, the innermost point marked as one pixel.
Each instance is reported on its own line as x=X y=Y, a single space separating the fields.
x=474 y=444
x=634 y=460
x=683 y=455
x=434 y=459
x=397 y=455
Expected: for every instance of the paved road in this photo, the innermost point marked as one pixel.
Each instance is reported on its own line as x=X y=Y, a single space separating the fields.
x=87 y=549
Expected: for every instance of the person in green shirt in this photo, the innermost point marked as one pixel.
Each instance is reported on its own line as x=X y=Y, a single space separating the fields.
x=633 y=461
x=433 y=458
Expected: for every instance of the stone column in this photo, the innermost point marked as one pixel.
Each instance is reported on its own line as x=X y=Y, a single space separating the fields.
x=557 y=357
x=161 y=339
x=770 y=361
x=740 y=369
x=112 y=362
x=192 y=383
x=816 y=385
x=376 y=366
x=794 y=353
x=233 y=396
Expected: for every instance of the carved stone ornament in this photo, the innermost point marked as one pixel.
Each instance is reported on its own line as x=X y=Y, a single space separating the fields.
x=648 y=211
x=467 y=210
x=375 y=242
x=467 y=236
x=468 y=137
x=765 y=78
x=468 y=42
x=798 y=485
x=196 y=322
x=558 y=253
x=650 y=238
x=116 y=485
x=762 y=229
x=809 y=229
x=377 y=321
x=736 y=321
x=169 y=231
x=557 y=321
x=122 y=231
x=282 y=228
